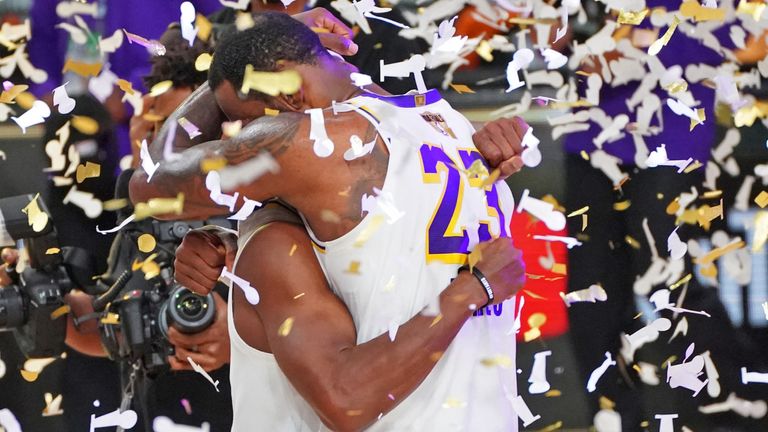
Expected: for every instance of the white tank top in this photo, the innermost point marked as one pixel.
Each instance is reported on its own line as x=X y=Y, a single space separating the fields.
x=394 y=264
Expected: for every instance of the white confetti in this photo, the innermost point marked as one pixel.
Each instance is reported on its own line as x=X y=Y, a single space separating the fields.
x=520 y=60
x=542 y=210
x=125 y=420
x=202 y=372
x=323 y=146
x=250 y=292
x=188 y=30
x=125 y=222
x=570 y=242
x=538 y=378
x=248 y=207
x=233 y=176
x=213 y=184
x=146 y=161
x=36 y=115
x=596 y=374
x=8 y=421
x=413 y=66
x=594 y=293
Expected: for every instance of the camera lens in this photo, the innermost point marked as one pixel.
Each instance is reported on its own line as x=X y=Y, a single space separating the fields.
x=13 y=309
x=187 y=311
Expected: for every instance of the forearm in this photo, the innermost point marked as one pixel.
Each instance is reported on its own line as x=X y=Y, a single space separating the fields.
x=84 y=338
x=200 y=109
x=373 y=377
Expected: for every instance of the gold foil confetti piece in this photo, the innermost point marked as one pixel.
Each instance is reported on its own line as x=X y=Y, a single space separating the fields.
x=150 y=268
x=474 y=257
x=60 y=311
x=532 y=21
x=160 y=88
x=435 y=356
x=553 y=393
x=125 y=86
x=579 y=211
x=606 y=403
x=36 y=218
x=714 y=254
x=329 y=216
x=644 y=424
x=532 y=294
x=632 y=18
x=673 y=207
x=203 y=62
x=146 y=243
x=111 y=318
x=204 y=27
x=271 y=112
x=712 y=194
x=491 y=178
x=500 y=360
x=761 y=231
x=354 y=413
x=553 y=427
x=158 y=206
x=584 y=222
x=754 y=9
x=436 y=320
x=293 y=249
x=298 y=296
x=83 y=69
x=29 y=376
x=632 y=242
x=212 y=164
x=622 y=205
x=709 y=271
x=692 y=167
x=656 y=47
x=244 y=21
x=370 y=229
x=485 y=51
x=89 y=170
x=709 y=213
x=638 y=316
x=584 y=155
x=559 y=268
x=285 y=82
x=231 y=129
x=687 y=278
x=285 y=327
x=52 y=405
x=762 y=199
x=26 y=100
x=702 y=116
x=453 y=402
x=677 y=87
x=461 y=88
x=8 y=96
x=115 y=204
x=319 y=30
x=354 y=267
x=152 y=117
x=693 y=9
x=85 y=125
x=52 y=251
x=535 y=321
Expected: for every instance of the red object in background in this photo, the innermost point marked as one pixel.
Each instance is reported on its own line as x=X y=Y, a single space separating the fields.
x=543 y=287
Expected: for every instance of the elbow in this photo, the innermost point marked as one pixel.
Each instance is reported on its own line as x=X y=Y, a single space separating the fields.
x=138 y=187
x=341 y=411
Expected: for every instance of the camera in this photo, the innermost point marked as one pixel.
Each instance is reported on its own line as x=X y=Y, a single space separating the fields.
x=143 y=302
x=33 y=305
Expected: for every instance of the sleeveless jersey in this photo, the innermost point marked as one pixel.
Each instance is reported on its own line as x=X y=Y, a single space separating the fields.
x=431 y=211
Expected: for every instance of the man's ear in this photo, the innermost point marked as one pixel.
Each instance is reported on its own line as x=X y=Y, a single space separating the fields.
x=293 y=102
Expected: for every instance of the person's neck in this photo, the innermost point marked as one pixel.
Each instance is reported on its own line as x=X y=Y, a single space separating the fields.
x=329 y=82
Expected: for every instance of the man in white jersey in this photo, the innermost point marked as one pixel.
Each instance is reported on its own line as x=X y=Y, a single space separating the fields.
x=387 y=266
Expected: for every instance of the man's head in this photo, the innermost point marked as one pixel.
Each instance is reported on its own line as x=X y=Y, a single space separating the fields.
x=275 y=43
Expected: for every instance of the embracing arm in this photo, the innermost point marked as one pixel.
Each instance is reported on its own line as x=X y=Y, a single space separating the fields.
x=347 y=384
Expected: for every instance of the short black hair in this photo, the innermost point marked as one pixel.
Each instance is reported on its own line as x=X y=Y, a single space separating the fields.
x=178 y=63
x=275 y=36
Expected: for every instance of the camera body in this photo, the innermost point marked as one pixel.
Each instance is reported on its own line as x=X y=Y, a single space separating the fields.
x=143 y=300
x=33 y=305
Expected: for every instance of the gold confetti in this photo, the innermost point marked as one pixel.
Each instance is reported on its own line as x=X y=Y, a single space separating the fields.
x=754 y=9
x=285 y=327
x=203 y=62
x=83 y=69
x=52 y=405
x=553 y=427
x=681 y=282
x=677 y=87
x=150 y=268
x=606 y=403
x=693 y=9
x=632 y=18
x=673 y=207
x=632 y=242
x=9 y=95
x=712 y=194
x=436 y=320
x=485 y=51
x=370 y=229
x=231 y=129
x=25 y=100
x=747 y=115
x=709 y=271
x=271 y=83
x=622 y=205
x=244 y=21
x=638 y=316
x=111 y=318
x=579 y=211
x=204 y=27
x=293 y=249
x=702 y=117
x=491 y=179
x=762 y=199
x=644 y=423
x=125 y=86
x=656 y=47
x=553 y=393
x=152 y=117
x=534 y=295
x=474 y=257
x=714 y=254
x=298 y=296
x=761 y=231
x=319 y=30
x=85 y=125
x=29 y=376
x=559 y=268
x=584 y=155
x=354 y=267
x=500 y=360
x=461 y=88
x=212 y=164
x=160 y=88
x=329 y=216
x=89 y=170
x=115 y=204
x=584 y=221
x=707 y=214
x=52 y=251
x=59 y=312
x=36 y=218
x=354 y=413
x=158 y=206
x=453 y=402
x=535 y=321
x=435 y=356
x=147 y=243
x=271 y=112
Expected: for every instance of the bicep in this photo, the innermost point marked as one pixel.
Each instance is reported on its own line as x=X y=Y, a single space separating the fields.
x=306 y=324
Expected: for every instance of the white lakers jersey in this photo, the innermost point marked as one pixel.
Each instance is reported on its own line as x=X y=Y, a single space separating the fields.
x=432 y=210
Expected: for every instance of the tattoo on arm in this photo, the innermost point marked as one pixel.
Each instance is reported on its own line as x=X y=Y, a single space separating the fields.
x=274 y=135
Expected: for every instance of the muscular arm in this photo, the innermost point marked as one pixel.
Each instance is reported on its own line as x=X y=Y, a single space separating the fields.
x=346 y=384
